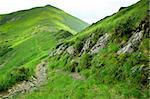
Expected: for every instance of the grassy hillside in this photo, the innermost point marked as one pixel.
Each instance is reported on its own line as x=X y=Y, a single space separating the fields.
x=109 y=23
x=27 y=36
x=108 y=73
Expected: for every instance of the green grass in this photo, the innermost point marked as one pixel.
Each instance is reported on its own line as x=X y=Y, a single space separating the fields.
x=27 y=36
x=114 y=76
x=61 y=86
x=107 y=74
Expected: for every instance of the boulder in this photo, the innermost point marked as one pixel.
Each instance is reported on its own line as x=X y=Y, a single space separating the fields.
x=58 y=51
x=101 y=43
x=70 y=50
x=86 y=45
x=132 y=43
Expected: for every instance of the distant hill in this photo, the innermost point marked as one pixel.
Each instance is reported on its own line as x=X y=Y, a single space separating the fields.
x=27 y=36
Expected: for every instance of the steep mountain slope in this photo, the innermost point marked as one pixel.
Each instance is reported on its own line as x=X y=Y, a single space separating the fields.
x=111 y=55
x=27 y=36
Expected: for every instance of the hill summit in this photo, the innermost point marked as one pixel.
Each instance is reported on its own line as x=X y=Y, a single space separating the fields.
x=27 y=36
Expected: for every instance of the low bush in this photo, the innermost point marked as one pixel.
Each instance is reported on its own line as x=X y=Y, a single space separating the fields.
x=78 y=46
x=84 y=62
x=20 y=74
x=17 y=75
x=125 y=28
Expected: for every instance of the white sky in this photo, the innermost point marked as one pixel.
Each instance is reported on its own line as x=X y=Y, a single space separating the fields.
x=87 y=10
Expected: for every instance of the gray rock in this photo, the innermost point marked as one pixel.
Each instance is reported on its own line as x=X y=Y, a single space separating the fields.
x=58 y=51
x=101 y=43
x=70 y=50
x=127 y=49
x=51 y=54
x=132 y=43
x=86 y=45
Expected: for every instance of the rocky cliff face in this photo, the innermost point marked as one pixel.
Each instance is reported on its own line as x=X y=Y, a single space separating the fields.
x=130 y=46
x=136 y=38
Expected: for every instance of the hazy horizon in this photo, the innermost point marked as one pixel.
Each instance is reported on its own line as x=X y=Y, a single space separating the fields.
x=89 y=11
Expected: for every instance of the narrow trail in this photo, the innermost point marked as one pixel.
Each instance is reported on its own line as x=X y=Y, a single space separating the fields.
x=32 y=84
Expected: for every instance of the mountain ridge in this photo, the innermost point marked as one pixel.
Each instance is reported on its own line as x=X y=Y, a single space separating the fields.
x=26 y=37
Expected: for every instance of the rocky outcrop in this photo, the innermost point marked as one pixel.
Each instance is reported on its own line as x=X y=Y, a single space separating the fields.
x=132 y=43
x=32 y=84
x=86 y=46
x=70 y=50
x=58 y=51
x=101 y=43
x=137 y=36
x=63 y=48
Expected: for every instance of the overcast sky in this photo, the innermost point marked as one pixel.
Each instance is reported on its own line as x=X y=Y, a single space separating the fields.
x=87 y=10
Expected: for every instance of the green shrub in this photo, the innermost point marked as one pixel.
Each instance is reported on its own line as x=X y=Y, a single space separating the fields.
x=125 y=28
x=78 y=46
x=20 y=74
x=62 y=34
x=17 y=75
x=73 y=65
x=84 y=62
